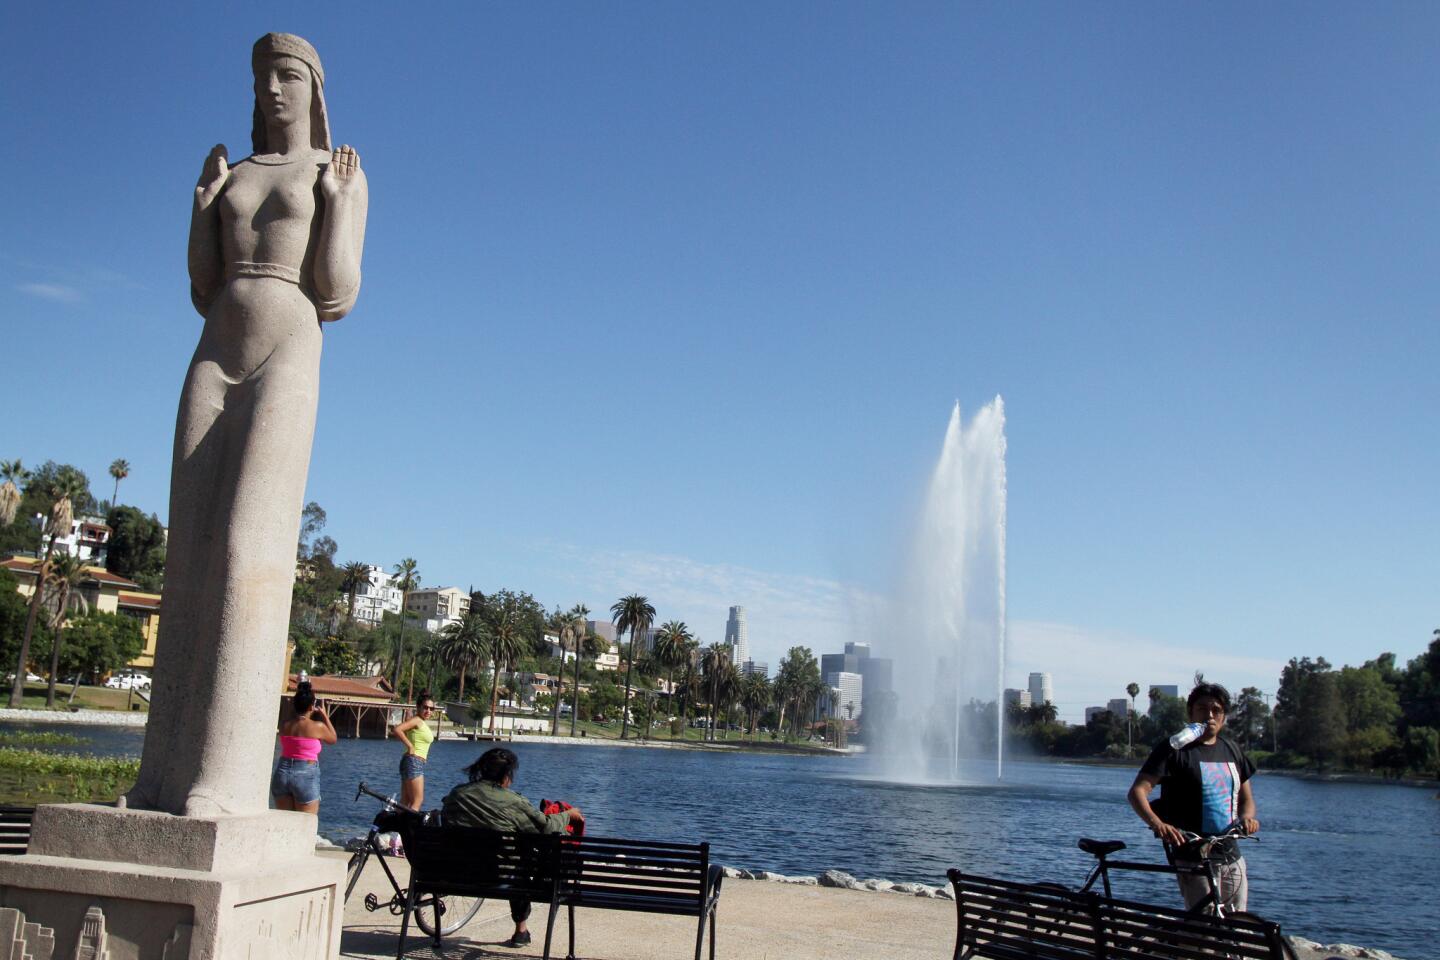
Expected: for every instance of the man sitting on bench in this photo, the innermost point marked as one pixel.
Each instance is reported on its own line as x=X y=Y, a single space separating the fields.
x=487 y=801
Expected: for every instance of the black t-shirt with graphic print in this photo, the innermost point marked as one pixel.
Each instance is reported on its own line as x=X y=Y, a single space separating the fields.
x=1200 y=787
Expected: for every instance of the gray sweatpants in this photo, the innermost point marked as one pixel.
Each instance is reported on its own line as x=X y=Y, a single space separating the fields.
x=1232 y=887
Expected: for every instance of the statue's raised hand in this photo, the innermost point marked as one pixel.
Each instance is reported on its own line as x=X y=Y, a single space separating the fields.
x=342 y=175
x=213 y=176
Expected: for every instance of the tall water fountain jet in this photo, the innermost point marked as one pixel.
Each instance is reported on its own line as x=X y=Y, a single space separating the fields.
x=948 y=632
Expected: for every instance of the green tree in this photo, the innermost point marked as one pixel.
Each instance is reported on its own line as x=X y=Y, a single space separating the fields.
x=755 y=697
x=463 y=645
x=65 y=575
x=1248 y=717
x=13 y=475
x=119 y=469
x=672 y=644
x=137 y=547
x=98 y=643
x=716 y=666
x=1422 y=749
x=635 y=614
x=334 y=657
x=798 y=673
x=355 y=575
x=505 y=617
x=1133 y=689
x=407 y=578
x=586 y=644
x=64 y=488
x=12 y=616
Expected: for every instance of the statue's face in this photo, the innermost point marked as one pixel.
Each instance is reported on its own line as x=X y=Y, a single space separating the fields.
x=282 y=89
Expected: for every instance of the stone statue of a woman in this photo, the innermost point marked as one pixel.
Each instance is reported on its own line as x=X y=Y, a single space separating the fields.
x=275 y=244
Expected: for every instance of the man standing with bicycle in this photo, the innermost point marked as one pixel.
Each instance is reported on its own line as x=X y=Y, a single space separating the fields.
x=1204 y=790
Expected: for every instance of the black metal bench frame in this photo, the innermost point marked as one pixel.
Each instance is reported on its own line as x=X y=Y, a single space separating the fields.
x=647 y=876
x=603 y=873
x=1003 y=920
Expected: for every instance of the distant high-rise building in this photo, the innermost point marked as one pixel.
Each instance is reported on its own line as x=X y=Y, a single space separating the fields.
x=879 y=674
x=838 y=663
x=1022 y=697
x=603 y=629
x=852 y=690
x=1168 y=689
x=737 y=635
x=1092 y=712
x=1040 y=691
x=1120 y=707
x=860 y=650
x=755 y=666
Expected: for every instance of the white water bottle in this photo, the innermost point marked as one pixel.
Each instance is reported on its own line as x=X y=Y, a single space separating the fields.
x=1187 y=734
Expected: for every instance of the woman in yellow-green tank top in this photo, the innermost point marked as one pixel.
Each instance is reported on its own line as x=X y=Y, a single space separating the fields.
x=417 y=735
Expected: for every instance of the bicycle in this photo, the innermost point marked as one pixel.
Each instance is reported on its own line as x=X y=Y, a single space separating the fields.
x=454 y=912
x=1208 y=866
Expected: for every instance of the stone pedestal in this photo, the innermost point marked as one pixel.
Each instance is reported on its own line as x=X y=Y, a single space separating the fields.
x=101 y=883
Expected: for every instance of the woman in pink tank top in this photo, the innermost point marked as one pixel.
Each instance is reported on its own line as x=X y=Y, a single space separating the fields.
x=295 y=785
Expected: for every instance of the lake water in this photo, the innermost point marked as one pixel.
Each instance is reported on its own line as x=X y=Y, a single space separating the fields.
x=1336 y=861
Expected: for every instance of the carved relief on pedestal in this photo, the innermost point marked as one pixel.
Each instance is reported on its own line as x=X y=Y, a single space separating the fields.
x=24 y=941
x=91 y=943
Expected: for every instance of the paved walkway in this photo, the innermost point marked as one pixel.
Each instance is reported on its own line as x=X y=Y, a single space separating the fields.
x=757 y=921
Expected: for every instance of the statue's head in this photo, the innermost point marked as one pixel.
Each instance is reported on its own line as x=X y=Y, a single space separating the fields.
x=289 y=84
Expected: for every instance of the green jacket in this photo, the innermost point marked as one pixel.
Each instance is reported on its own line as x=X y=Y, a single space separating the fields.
x=484 y=804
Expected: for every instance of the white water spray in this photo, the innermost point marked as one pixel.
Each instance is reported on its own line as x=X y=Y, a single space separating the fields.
x=949 y=628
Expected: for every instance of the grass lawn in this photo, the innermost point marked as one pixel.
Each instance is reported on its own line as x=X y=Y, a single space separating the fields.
x=86 y=698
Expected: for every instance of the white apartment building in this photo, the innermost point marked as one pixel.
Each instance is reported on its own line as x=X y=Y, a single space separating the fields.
x=88 y=539
x=377 y=596
x=446 y=605
x=609 y=660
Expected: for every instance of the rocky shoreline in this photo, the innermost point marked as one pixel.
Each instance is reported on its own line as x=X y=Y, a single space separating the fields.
x=112 y=718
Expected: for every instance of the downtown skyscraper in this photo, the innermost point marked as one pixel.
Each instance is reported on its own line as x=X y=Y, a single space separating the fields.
x=737 y=636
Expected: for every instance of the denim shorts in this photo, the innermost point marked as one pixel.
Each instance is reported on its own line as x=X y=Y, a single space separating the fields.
x=296 y=778
x=411 y=767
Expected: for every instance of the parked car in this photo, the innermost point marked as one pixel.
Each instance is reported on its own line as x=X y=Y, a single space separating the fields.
x=29 y=677
x=128 y=681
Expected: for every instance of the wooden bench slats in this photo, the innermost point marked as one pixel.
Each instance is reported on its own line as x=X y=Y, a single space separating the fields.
x=991 y=931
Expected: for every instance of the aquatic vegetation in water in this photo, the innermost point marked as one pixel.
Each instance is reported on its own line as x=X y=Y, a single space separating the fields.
x=38 y=738
x=34 y=776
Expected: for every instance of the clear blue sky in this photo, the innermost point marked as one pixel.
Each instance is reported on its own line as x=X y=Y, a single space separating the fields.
x=675 y=299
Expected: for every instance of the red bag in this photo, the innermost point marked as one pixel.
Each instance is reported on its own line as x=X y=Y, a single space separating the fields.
x=548 y=807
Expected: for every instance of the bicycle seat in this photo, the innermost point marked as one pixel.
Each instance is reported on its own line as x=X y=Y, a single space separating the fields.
x=1100 y=848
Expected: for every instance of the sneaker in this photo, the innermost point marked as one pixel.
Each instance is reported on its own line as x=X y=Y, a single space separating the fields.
x=518 y=940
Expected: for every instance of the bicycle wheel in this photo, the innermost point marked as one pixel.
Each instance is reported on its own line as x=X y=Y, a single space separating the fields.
x=354 y=868
x=455 y=912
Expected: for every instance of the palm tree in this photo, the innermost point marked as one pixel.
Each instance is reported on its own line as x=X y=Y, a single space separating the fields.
x=713 y=664
x=462 y=646
x=65 y=576
x=754 y=696
x=672 y=643
x=356 y=575
x=633 y=613
x=564 y=627
x=502 y=622
x=407 y=578
x=584 y=640
x=14 y=475
x=65 y=486
x=119 y=469
x=1133 y=689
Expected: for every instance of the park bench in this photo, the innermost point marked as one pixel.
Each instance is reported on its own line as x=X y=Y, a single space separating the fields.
x=15 y=829
x=602 y=873
x=1001 y=920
